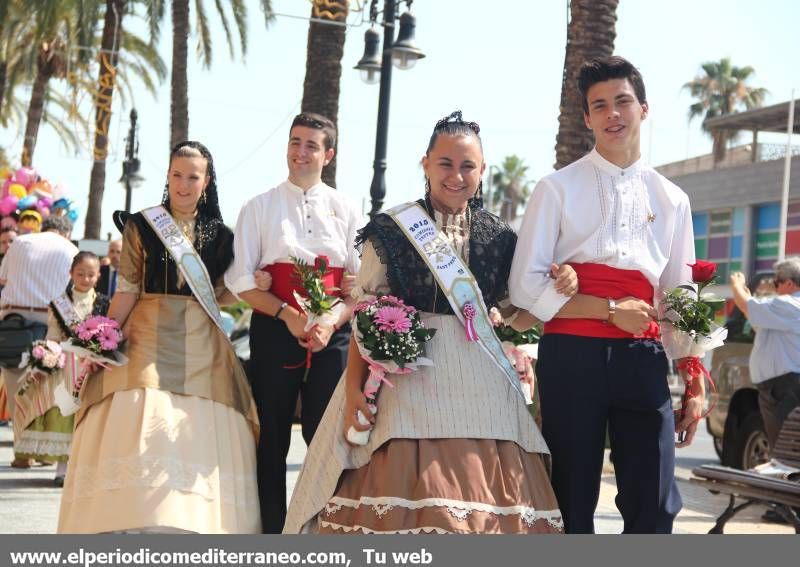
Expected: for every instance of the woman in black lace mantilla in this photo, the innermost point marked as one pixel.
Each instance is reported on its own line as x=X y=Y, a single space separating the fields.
x=452 y=448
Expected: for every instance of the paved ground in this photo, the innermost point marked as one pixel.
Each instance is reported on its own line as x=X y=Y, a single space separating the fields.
x=29 y=501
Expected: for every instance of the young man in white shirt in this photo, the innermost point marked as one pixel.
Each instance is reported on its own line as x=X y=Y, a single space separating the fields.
x=303 y=218
x=627 y=231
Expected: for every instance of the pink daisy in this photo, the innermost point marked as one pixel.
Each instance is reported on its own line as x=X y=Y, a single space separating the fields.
x=392 y=319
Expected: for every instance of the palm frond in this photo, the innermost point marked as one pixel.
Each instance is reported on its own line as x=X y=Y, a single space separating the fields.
x=225 y=25
x=204 y=39
x=266 y=9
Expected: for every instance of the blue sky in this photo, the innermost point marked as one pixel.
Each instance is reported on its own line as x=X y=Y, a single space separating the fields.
x=500 y=62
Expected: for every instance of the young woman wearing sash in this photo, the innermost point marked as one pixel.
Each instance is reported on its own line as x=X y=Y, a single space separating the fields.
x=453 y=448
x=167 y=442
x=48 y=434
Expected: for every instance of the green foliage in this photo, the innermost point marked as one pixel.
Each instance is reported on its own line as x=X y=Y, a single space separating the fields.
x=694 y=316
x=310 y=278
x=236 y=309
x=509 y=334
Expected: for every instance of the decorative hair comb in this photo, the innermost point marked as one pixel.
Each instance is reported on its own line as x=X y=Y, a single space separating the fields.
x=456 y=118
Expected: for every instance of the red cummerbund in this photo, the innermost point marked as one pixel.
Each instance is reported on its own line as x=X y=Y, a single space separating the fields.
x=603 y=281
x=285 y=281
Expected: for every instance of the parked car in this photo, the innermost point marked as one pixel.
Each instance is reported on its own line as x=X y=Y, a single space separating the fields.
x=735 y=423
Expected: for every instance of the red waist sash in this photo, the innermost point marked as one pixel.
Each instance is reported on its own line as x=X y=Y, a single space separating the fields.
x=603 y=281
x=285 y=282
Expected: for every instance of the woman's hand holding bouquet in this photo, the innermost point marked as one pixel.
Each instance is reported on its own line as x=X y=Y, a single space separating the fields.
x=93 y=344
x=390 y=338
x=43 y=358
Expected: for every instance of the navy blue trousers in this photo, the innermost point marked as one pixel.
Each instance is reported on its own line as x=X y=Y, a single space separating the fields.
x=590 y=385
x=275 y=390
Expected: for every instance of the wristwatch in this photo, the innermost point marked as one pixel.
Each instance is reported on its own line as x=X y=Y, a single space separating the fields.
x=612 y=308
x=281 y=308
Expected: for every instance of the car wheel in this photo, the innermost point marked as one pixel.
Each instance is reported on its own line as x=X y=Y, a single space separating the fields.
x=718 y=447
x=752 y=445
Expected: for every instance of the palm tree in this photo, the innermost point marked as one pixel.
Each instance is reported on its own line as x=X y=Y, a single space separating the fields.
x=591 y=33
x=179 y=86
x=324 y=66
x=106 y=81
x=122 y=56
x=511 y=187
x=719 y=90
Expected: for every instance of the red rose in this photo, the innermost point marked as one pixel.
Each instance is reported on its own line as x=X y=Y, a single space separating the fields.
x=321 y=263
x=703 y=271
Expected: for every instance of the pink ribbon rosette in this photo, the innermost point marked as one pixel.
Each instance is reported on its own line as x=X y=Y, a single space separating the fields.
x=94 y=342
x=390 y=337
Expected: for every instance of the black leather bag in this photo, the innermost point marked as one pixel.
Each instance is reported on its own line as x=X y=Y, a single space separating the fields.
x=16 y=336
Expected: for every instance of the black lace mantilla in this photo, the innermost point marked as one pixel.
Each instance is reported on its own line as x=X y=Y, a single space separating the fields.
x=491 y=249
x=160 y=270
x=100 y=307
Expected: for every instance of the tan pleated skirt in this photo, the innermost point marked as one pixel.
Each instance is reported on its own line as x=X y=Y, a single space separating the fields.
x=441 y=486
x=150 y=460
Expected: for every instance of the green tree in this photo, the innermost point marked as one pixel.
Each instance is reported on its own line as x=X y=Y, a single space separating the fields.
x=119 y=51
x=591 y=33
x=324 y=66
x=721 y=89
x=180 y=11
x=511 y=187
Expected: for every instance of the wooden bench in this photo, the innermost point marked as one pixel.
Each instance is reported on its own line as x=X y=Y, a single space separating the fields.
x=781 y=495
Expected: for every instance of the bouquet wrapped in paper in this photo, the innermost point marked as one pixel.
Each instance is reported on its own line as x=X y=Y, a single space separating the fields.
x=688 y=330
x=35 y=393
x=391 y=339
x=320 y=307
x=43 y=357
x=519 y=346
x=93 y=342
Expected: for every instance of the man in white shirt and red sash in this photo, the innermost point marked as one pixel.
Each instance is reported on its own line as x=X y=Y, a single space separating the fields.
x=627 y=231
x=303 y=218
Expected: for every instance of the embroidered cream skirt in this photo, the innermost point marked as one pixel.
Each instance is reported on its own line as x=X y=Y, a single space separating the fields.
x=153 y=461
x=454 y=450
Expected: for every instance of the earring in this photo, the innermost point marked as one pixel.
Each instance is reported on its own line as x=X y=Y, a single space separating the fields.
x=203 y=198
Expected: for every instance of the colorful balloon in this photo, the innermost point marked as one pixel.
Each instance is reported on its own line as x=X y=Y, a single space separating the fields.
x=72 y=215
x=26 y=176
x=17 y=190
x=27 y=202
x=5 y=172
x=41 y=188
x=8 y=205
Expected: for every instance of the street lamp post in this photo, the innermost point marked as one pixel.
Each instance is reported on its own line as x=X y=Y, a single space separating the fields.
x=402 y=53
x=130 y=167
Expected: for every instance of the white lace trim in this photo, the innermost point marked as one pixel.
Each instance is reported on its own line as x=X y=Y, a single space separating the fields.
x=457 y=508
x=365 y=530
x=164 y=472
x=46 y=443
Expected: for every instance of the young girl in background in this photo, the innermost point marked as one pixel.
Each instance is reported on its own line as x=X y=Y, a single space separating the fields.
x=48 y=435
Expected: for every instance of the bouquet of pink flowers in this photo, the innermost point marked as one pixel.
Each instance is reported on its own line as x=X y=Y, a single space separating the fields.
x=391 y=339
x=44 y=357
x=93 y=341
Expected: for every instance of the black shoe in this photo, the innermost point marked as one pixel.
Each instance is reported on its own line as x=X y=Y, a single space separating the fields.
x=59 y=481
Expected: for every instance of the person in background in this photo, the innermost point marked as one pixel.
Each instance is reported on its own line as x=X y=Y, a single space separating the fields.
x=107 y=284
x=48 y=434
x=35 y=271
x=7 y=236
x=775 y=358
